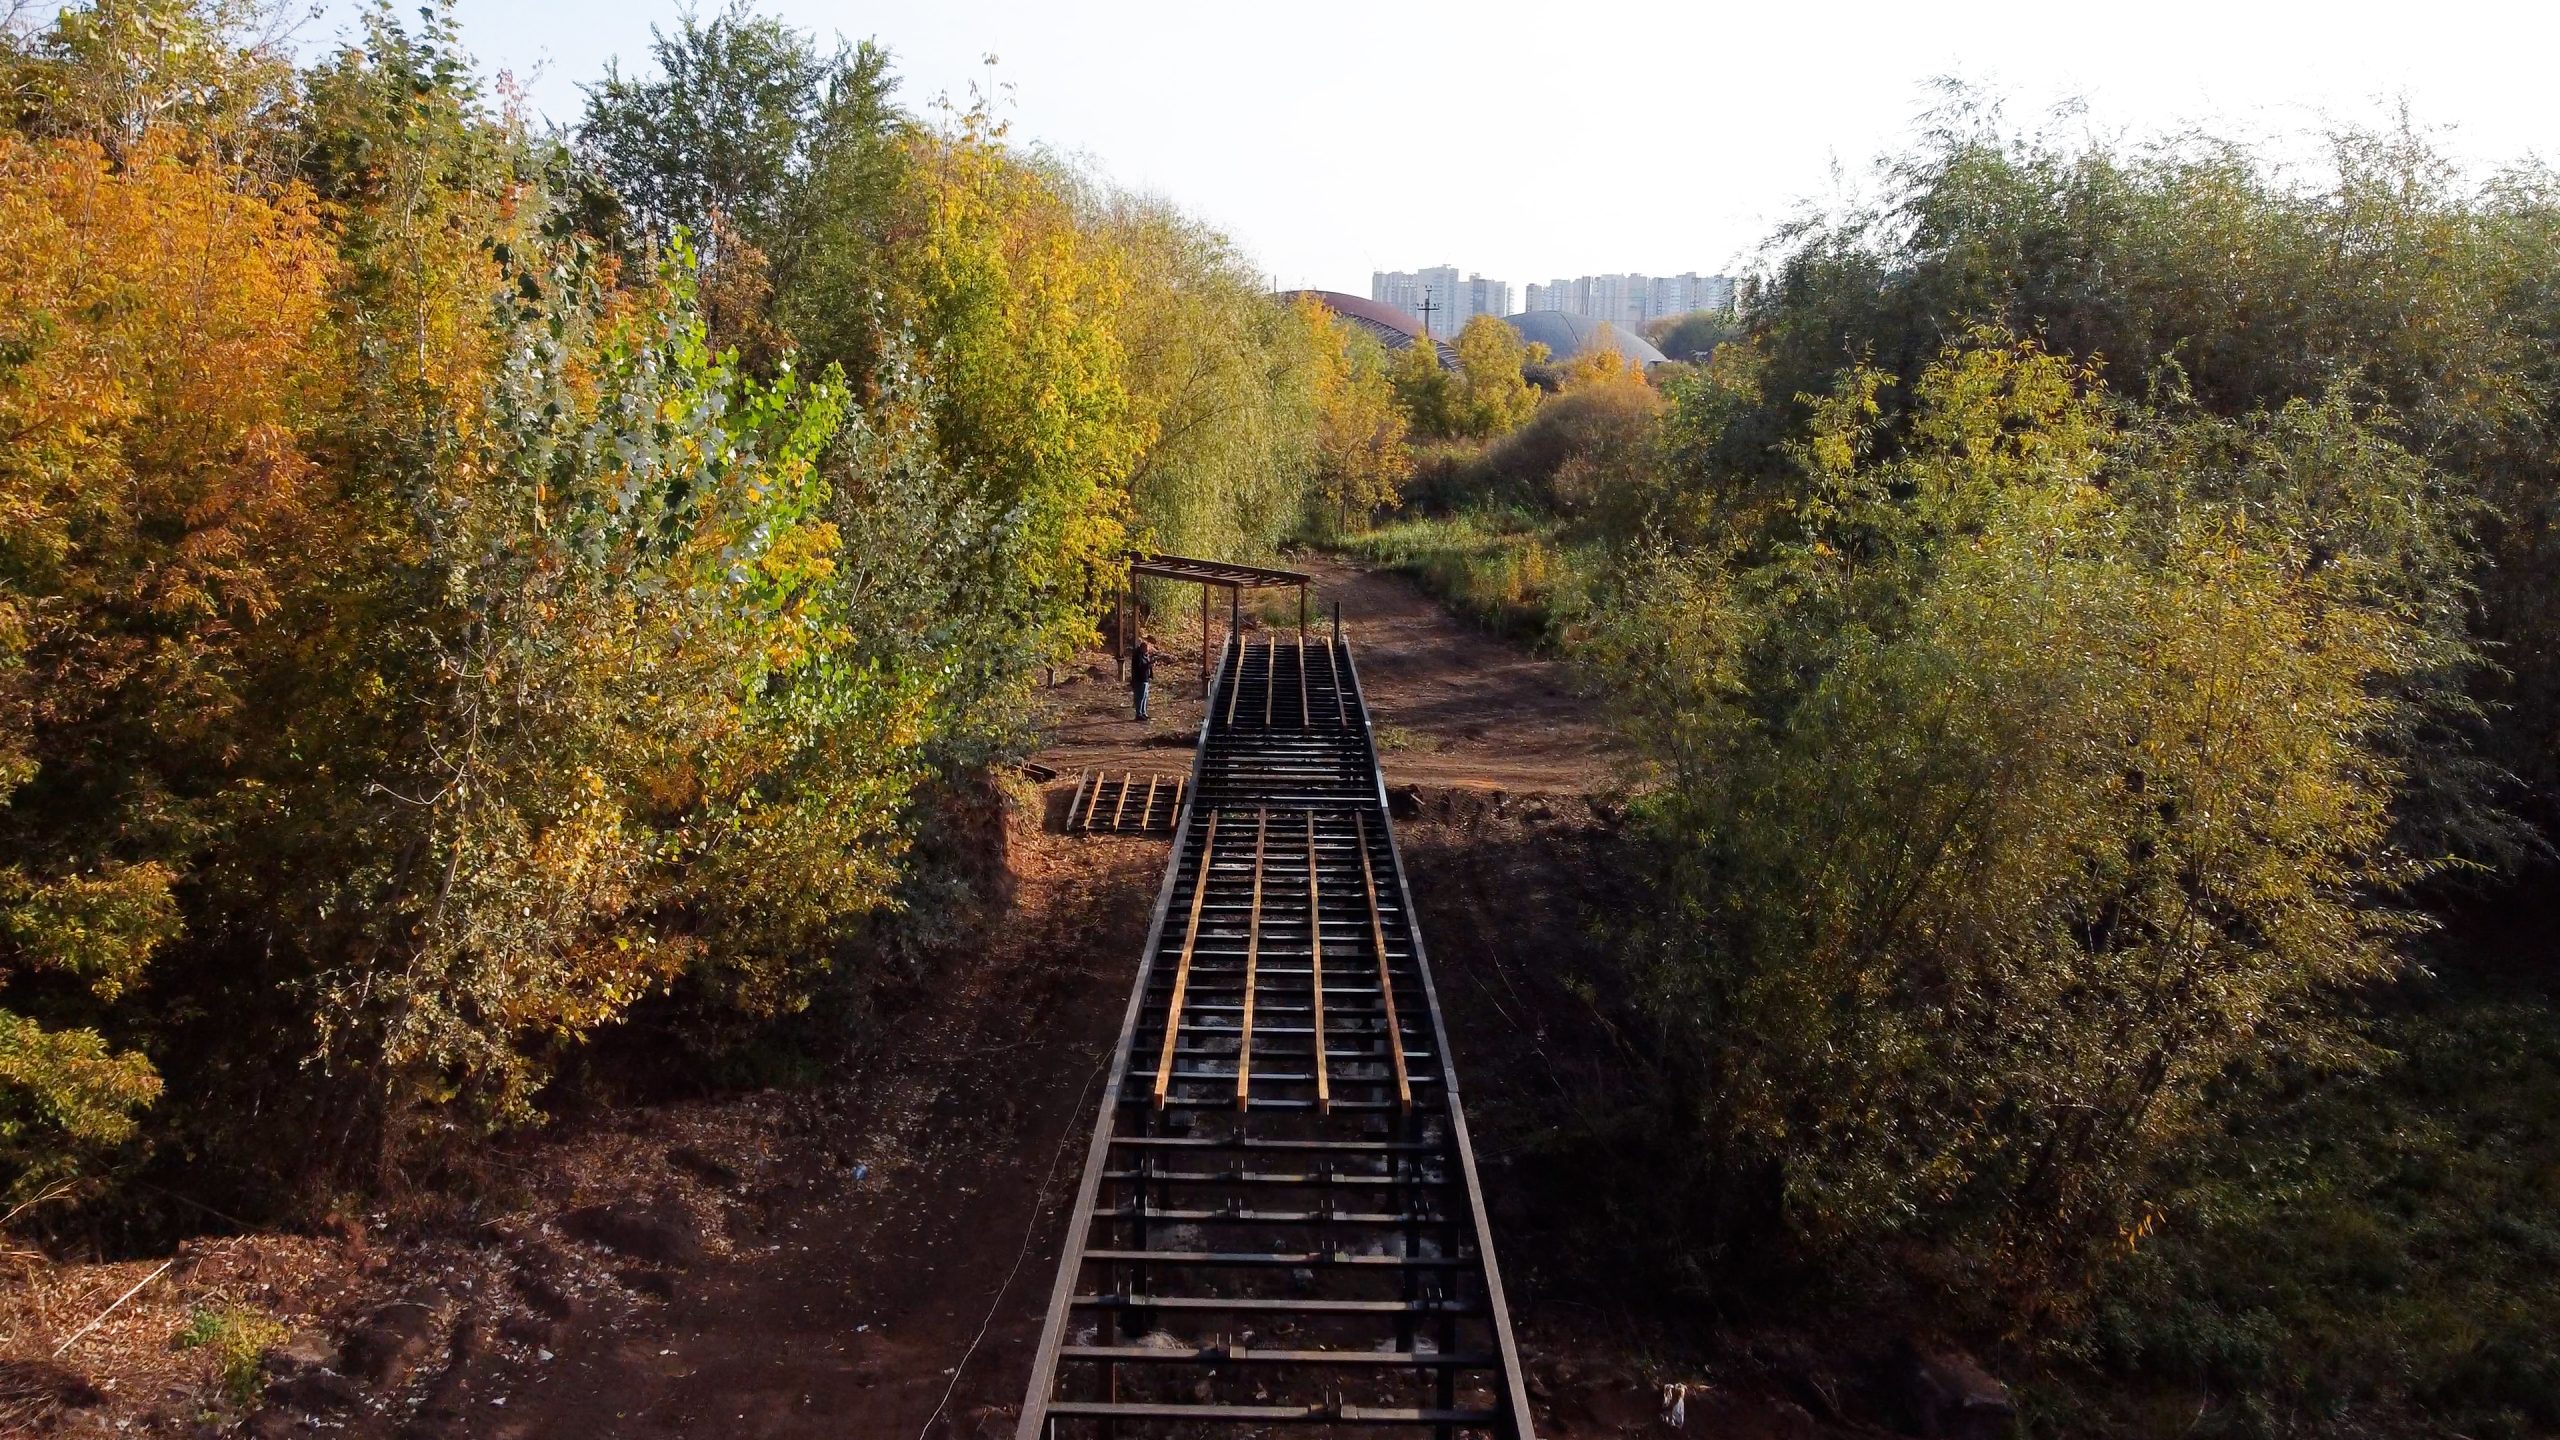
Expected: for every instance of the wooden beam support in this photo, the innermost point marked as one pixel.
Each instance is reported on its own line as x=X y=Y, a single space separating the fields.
x=1306 y=713
x=1238 y=688
x=1386 y=980
x=1182 y=968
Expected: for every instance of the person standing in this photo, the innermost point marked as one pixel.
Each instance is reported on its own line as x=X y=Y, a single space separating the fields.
x=1142 y=668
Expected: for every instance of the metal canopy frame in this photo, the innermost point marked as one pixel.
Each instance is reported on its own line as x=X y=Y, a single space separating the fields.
x=1219 y=572
x=1236 y=577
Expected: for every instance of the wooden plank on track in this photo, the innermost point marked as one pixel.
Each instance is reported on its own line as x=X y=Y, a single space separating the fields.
x=1182 y=968
x=1386 y=981
x=1127 y=779
x=1315 y=966
x=1147 y=816
x=1341 y=715
x=1252 y=962
x=1237 y=689
x=1076 y=799
x=1270 y=677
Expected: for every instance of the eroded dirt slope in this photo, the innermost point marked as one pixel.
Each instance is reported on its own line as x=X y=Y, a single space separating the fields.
x=877 y=1225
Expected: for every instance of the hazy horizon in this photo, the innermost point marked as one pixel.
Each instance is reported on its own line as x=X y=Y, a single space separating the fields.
x=1673 y=141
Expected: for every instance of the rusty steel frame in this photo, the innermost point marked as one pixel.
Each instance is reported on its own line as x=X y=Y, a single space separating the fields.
x=1356 y=1165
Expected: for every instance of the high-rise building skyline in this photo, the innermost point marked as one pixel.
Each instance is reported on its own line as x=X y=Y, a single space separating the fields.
x=1632 y=301
x=1446 y=300
x=1451 y=301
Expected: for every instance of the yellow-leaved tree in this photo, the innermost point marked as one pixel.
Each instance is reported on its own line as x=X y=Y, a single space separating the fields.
x=1218 y=379
x=1601 y=365
x=1494 y=396
x=2016 y=788
x=1361 y=455
x=1031 y=403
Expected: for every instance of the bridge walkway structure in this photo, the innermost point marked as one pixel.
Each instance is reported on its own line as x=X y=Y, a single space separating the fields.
x=1279 y=1227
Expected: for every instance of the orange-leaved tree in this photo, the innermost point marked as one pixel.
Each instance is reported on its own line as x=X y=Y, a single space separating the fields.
x=161 y=365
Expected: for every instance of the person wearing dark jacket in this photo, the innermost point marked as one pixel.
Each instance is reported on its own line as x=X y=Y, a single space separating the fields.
x=1142 y=668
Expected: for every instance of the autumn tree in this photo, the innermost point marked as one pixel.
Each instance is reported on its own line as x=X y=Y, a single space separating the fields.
x=1493 y=395
x=1032 y=404
x=1221 y=379
x=1600 y=366
x=2018 y=787
x=1424 y=389
x=165 y=373
x=1361 y=456
x=208 y=75
x=2203 y=272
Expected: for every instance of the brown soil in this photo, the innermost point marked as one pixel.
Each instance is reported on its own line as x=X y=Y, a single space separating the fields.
x=853 y=1238
x=869 y=1258
x=878 y=1224
x=1454 y=706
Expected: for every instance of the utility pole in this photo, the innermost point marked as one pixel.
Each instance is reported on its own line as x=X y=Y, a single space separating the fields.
x=1428 y=310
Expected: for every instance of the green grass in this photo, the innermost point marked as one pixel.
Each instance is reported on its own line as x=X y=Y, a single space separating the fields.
x=239 y=1338
x=1506 y=570
x=1392 y=738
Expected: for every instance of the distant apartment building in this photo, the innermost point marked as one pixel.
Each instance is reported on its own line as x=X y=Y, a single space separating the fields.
x=1631 y=301
x=1439 y=297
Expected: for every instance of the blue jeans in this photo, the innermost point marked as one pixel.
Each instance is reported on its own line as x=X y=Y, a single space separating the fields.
x=1140 y=690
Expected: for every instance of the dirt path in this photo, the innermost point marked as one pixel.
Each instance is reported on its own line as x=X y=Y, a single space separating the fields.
x=1454 y=706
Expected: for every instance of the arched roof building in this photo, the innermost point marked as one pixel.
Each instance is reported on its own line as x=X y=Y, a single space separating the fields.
x=1388 y=325
x=1569 y=336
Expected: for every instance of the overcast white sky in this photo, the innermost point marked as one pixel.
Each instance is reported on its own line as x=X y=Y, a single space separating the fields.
x=1531 y=141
